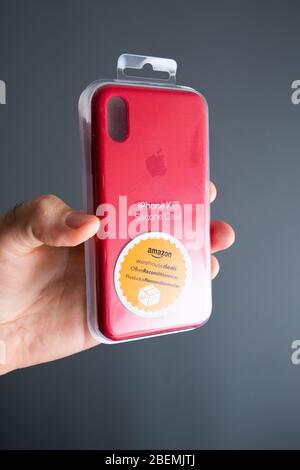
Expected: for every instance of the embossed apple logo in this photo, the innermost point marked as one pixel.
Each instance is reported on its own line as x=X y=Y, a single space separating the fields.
x=156 y=164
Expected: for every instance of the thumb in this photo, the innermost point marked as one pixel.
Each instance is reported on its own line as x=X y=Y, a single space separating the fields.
x=44 y=220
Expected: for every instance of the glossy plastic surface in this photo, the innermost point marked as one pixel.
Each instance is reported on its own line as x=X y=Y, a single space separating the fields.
x=163 y=158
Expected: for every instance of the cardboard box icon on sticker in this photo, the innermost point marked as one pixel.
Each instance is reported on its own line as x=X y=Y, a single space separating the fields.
x=149 y=295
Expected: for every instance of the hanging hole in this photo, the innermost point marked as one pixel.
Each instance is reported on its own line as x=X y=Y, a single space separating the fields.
x=147 y=71
x=117 y=119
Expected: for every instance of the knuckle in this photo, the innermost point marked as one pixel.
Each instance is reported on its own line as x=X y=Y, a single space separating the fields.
x=43 y=205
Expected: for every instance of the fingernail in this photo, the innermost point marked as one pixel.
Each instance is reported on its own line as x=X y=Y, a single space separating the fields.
x=78 y=219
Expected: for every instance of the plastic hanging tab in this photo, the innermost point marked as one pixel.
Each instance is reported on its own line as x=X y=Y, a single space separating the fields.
x=138 y=62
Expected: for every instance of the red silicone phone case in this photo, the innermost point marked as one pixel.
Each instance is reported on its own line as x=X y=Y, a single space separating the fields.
x=164 y=157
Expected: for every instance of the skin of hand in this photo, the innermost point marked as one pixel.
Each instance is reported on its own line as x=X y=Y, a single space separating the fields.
x=42 y=279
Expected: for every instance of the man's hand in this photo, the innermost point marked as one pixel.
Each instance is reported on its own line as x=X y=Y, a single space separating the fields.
x=42 y=280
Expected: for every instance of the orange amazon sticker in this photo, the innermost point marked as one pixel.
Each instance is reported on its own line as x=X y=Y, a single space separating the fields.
x=152 y=273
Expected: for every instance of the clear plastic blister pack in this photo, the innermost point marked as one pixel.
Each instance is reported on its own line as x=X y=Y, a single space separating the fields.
x=146 y=176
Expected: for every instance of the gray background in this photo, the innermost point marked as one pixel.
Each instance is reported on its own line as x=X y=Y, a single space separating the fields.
x=230 y=384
